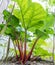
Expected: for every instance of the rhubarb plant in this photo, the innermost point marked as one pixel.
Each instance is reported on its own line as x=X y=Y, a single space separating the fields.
x=28 y=18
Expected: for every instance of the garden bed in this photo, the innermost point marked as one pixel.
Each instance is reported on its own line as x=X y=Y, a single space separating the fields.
x=28 y=63
x=36 y=61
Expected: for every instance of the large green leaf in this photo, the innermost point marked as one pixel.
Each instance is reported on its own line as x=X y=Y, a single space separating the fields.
x=1 y=27
x=12 y=24
x=40 y=51
x=49 y=21
x=49 y=31
x=12 y=32
x=13 y=20
x=48 y=24
x=42 y=34
x=35 y=26
x=29 y=13
x=52 y=2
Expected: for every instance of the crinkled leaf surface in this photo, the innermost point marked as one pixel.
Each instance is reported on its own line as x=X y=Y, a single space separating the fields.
x=29 y=13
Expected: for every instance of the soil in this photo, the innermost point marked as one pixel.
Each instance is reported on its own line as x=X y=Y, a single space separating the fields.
x=28 y=63
x=35 y=61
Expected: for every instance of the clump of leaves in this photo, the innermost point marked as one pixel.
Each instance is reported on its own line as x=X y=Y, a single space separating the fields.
x=27 y=17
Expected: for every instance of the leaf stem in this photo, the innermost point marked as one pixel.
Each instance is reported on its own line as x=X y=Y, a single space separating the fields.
x=30 y=53
x=25 y=45
x=8 y=47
